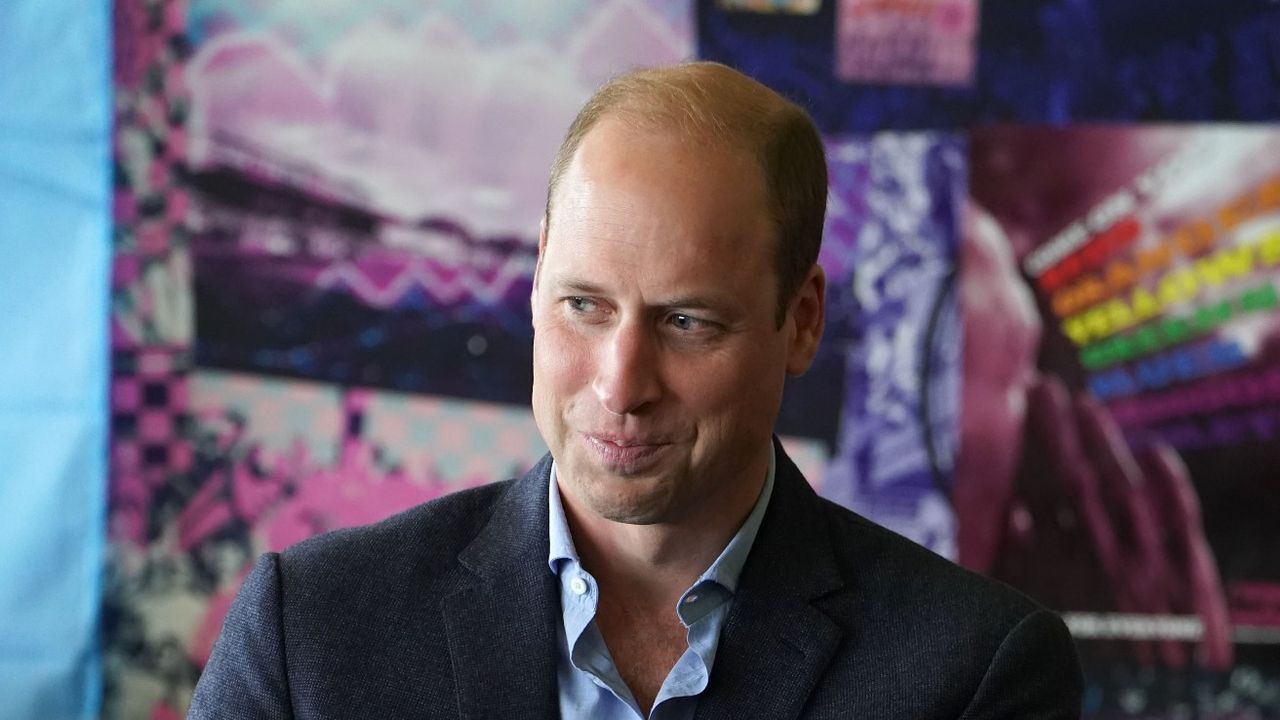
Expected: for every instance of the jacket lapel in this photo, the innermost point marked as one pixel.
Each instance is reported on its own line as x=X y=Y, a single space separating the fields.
x=502 y=621
x=776 y=644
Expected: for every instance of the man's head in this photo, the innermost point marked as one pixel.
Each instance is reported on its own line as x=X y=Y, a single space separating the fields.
x=709 y=103
x=664 y=323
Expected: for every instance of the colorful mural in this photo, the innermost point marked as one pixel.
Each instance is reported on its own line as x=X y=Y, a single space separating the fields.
x=1133 y=488
x=326 y=217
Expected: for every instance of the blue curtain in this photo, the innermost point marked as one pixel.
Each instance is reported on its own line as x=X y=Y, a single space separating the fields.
x=54 y=284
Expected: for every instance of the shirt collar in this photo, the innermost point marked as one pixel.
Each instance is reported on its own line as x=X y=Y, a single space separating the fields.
x=561 y=541
x=724 y=571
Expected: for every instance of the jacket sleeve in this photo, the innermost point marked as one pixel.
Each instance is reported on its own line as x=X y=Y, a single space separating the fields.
x=1035 y=674
x=246 y=676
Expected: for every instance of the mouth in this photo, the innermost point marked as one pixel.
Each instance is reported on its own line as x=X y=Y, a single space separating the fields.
x=626 y=455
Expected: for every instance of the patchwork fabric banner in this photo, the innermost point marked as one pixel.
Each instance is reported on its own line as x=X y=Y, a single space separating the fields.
x=326 y=230
x=1125 y=307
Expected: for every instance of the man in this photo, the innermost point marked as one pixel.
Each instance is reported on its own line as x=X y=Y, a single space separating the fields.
x=667 y=559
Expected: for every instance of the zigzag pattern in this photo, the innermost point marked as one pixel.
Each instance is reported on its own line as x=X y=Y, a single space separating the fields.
x=446 y=285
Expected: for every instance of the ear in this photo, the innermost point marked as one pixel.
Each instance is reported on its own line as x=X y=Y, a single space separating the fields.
x=807 y=315
x=537 y=267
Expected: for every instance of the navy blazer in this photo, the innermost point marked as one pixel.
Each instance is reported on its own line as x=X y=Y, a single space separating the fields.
x=449 y=610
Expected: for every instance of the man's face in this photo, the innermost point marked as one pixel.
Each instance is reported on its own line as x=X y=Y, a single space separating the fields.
x=658 y=363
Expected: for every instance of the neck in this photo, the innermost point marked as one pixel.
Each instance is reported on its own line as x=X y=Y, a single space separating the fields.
x=656 y=563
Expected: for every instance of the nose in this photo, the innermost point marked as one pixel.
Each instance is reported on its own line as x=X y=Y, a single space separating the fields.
x=626 y=373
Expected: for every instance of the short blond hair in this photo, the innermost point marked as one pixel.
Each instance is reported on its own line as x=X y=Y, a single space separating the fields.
x=709 y=102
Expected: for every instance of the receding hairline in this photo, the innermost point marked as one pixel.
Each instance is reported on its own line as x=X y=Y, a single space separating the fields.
x=697 y=102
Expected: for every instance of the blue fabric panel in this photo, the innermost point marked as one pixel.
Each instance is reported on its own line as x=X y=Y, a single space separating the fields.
x=54 y=279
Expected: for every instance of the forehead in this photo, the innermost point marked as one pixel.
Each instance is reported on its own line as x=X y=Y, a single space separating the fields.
x=690 y=201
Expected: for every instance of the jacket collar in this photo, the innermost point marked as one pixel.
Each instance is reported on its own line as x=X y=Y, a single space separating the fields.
x=502 y=623
x=773 y=622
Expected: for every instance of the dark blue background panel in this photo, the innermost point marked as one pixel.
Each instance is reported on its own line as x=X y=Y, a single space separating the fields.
x=1039 y=61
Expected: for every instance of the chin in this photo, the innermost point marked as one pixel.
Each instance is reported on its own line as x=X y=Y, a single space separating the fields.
x=633 y=501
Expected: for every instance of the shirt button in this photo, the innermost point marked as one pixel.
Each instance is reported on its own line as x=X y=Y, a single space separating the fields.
x=578 y=586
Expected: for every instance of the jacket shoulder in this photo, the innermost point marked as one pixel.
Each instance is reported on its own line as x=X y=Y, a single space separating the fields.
x=946 y=640
x=353 y=623
x=423 y=539
x=919 y=581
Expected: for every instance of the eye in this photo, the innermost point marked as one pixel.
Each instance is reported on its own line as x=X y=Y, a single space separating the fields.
x=581 y=309
x=692 y=326
x=684 y=322
x=580 y=304
x=692 y=330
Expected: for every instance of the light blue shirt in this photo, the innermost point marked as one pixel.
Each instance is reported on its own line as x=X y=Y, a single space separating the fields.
x=590 y=686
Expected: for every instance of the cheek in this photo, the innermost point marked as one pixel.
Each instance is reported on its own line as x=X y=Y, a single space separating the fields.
x=561 y=362
x=735 y=392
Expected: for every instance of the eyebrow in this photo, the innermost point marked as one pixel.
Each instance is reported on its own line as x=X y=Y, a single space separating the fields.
x=575 y=285
x=691 y=302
